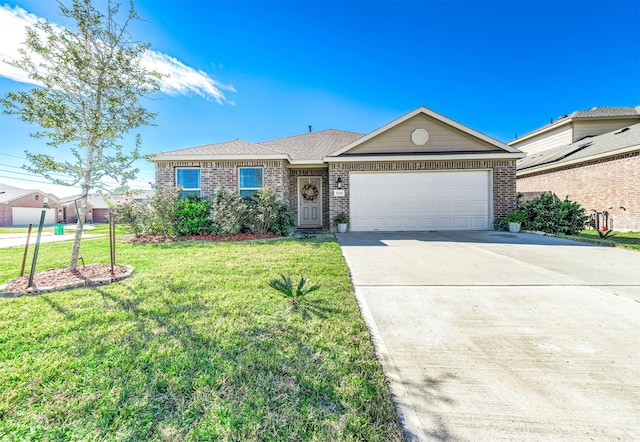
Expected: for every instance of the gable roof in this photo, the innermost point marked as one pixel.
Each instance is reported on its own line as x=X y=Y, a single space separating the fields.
x=615 y=142
x=428 y=112
x=601 y=112
x=11 y=193
x=319 y=147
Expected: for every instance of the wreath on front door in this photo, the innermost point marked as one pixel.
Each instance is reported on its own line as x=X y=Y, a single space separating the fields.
x=309 y=192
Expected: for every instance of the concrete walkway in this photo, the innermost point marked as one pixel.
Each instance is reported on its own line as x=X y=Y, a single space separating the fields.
x=497 y=336
x=19 y=239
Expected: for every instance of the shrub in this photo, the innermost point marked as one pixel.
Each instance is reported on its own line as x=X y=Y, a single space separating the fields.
x=267 y=214
x=132 y=214
x=160 y=219
x=547 y=213
x=229 y=212
x=192 y=216
x=288 y=290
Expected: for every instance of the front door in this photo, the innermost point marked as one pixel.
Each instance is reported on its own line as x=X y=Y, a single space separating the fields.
x=310 y=201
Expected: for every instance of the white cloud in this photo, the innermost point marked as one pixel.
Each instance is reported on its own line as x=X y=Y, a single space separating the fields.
x=178 y=79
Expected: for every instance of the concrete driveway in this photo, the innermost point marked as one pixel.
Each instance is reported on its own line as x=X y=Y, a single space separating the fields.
x=498 y=336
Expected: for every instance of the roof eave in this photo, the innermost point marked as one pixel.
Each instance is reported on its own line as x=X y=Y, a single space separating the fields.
x=159 y=158
x=568 y=120
x=445 y=157
x=557 y=165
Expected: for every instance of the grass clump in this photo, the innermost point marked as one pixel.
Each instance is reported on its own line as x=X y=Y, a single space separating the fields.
x=194 y=346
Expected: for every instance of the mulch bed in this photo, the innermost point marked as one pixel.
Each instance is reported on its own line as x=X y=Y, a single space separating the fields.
x=238 y=237
x=59 y=279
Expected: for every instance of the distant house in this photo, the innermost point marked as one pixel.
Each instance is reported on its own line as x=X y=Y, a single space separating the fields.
x=98 y=206
x=422 y=171
x=21 y=207
x=591 y=156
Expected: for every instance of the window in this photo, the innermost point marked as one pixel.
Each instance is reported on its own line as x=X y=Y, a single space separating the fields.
x=189 y=180
x=250 y=181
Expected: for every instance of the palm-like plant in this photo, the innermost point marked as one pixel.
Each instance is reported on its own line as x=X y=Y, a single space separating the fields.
x=294 y=293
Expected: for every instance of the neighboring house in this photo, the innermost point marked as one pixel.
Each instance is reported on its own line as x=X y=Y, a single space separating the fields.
x=98 y=206
x=422 y=171
x=21 y=207
x=593 y=157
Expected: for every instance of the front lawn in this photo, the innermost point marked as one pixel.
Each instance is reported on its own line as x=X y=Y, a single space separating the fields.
x=627 y=240
x=194 y=346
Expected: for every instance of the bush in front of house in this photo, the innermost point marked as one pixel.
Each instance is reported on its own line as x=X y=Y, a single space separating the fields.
x=267 y=214
x=160 y=216
x=547 y=213
x=192 y=216
x=228 y=212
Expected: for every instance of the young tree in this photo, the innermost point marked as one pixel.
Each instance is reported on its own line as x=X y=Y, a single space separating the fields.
x=90 y=83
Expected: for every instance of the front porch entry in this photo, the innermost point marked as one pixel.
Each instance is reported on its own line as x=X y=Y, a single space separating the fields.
x=310 y=201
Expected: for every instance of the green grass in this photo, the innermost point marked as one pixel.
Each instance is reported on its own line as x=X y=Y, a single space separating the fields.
x=626 y=240
x=194 y=346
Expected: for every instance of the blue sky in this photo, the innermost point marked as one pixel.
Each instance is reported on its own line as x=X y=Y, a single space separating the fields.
x=262 y=70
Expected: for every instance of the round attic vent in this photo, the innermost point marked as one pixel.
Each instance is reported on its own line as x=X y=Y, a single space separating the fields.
x=420 y=137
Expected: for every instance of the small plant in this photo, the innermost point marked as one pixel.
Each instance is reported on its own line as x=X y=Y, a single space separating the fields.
x=515 y=216
x=604 y=233
x=341 y=218
x=294 y=293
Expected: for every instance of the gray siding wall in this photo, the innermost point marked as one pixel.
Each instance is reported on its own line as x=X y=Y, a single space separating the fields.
x=560 y=136
x=583 y=128
x=442 y=138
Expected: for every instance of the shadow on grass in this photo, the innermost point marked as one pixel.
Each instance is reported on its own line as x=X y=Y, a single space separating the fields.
x=247 y=380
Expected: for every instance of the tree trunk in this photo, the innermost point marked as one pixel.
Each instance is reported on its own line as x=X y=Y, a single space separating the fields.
x=82 y=212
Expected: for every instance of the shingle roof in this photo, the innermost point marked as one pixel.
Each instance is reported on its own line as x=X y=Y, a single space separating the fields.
x=586 y=147
x=624 y=111
x=235 y=147
x=314 y=145
x=310 y=146
x=11 y=193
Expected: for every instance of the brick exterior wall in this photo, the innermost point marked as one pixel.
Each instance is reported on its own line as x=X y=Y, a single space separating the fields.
x=6 y=213
x=294 y=174
x=605 y=184
x=215 y=174
x=503 y=177
x=224 y=174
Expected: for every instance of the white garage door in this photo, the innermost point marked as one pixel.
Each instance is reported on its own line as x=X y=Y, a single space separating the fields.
x=406 y=201
x=23 y=216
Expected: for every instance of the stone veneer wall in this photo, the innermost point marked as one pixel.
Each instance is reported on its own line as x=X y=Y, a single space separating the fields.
x=294 y=174
x=605 y=184
x=503 y=176
x=224 y=174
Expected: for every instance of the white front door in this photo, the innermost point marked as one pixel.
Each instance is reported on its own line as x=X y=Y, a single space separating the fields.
x=310 y=201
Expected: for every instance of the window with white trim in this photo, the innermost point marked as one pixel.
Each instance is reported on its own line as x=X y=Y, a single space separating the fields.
x=188 y=179
x=250 y=180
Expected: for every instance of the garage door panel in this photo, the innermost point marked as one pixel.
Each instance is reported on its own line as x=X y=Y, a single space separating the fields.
x=23 y=216
x=446 y=200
